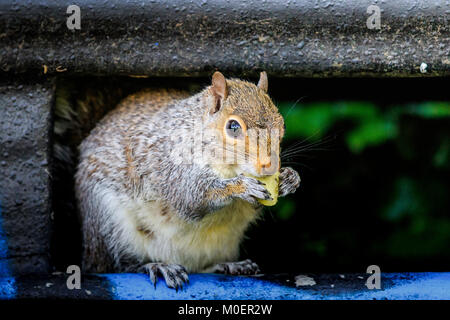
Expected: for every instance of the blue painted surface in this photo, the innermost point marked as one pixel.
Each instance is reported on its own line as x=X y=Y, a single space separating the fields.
x=426 y=286
x=3 y=243
x=7 y=281
x=418 y=286
x=7 y=288
x=201 y=286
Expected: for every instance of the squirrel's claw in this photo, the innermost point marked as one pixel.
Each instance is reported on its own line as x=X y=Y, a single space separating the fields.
x=254 y=189
x=175 y=275
x=289 y=181
x=246 y=267
x=152 y=272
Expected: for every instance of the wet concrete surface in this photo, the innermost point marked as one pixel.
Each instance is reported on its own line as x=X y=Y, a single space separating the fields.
x=394 y=286
x=25 y=208
x=193 y=38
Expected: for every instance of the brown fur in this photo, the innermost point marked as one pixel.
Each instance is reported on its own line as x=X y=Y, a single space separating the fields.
x=138 y=205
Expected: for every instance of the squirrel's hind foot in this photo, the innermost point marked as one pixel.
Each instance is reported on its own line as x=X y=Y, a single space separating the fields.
x=175 y=275
x=246 y=267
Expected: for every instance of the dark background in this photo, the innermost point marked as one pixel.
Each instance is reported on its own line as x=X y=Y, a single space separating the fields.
x=373 y=158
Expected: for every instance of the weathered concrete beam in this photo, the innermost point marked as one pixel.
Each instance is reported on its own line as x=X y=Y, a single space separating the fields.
x=25 y=208
x=394 y=286
x=174 y=37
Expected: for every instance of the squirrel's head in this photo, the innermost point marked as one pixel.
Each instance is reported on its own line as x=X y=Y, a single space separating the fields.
x=248 y=126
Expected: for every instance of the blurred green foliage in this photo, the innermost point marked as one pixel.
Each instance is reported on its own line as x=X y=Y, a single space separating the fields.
x=412 y=207
x=371 y=125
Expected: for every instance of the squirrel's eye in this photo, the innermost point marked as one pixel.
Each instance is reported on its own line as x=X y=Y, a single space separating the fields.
x=234 y=129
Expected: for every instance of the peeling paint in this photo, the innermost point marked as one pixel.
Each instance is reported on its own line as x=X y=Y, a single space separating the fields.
x=423 y=67
x=302 y=280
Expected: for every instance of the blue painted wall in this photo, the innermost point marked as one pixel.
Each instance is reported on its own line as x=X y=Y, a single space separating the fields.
x=7 y=281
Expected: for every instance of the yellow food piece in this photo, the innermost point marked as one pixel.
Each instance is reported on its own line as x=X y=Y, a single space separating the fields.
x=271 y=186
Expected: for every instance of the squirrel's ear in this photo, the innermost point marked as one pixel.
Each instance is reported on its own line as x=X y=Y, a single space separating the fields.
x=219 y=89
x=263 y=83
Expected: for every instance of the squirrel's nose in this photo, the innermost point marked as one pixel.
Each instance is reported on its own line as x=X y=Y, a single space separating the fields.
x=266 y=164
x=266 y=167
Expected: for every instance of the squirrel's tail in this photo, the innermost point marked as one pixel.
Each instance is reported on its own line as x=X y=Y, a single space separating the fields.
x=79 y=105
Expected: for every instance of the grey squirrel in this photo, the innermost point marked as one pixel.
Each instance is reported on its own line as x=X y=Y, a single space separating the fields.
x=144 y=210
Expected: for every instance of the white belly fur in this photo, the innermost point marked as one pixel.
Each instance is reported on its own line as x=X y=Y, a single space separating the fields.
x=196 y=245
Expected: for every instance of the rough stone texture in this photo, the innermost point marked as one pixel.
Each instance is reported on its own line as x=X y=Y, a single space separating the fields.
x=25 y=118
x=175 y=37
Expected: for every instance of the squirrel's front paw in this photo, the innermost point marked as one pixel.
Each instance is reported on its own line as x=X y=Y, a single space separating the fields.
x=250 y=189
x=175 y=275
x=289 y=181
x=237 y=268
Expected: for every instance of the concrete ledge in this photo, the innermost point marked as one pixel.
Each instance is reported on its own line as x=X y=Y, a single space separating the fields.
x=395 y=286
x=25 y=208
x=175 y=37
